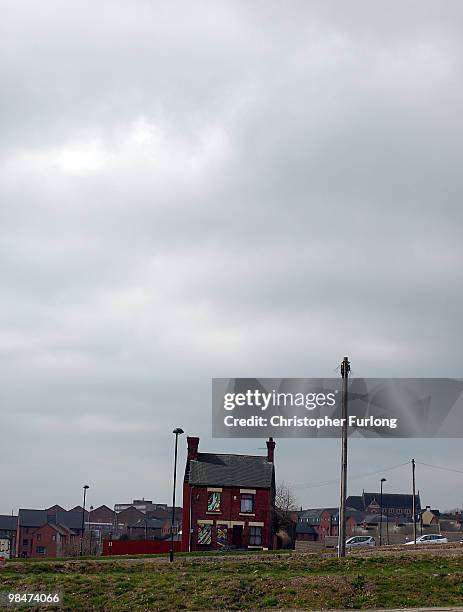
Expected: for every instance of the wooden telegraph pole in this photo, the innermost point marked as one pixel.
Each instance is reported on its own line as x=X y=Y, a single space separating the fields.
x=413 y=501
x=345 y=369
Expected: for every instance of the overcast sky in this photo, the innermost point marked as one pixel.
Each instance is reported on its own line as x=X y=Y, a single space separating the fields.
x=244 y=188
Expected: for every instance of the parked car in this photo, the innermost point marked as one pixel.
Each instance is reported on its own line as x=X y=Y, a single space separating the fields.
x=431 y=538
x=358 y=541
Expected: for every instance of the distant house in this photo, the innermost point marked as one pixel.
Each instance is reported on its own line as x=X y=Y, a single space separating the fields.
x=29 y=520
x=100 y=519
x=372 y=521
x=127 y=517
x=52 y=540
x=228 y=500
x=8 y=527
x=430 y=517
x=450 y=521
x=306 y=532
x=315 y=524
x=393 y=504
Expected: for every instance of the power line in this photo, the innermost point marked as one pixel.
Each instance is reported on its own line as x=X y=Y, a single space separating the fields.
x=311 y=485
x=324 y=483
x=439 y=467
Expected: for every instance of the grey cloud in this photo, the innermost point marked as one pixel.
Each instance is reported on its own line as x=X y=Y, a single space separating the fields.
x=247 y=188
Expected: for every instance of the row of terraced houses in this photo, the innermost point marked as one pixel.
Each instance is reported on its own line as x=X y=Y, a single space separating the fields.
x=228 y=502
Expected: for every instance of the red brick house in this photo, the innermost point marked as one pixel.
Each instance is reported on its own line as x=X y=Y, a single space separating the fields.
x=100 y=521
x=53 y=541
x=103 y=515
x=228 y=500
x=127 y=517
x=29 y=520
x=316 y=523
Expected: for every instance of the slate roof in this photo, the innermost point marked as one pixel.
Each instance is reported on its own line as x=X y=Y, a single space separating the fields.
x=230 y=471
x=61 y=529
x=70 y=518
x=32 y=518
x=316 y=512
x=355 y=502
x=8 y=522
x=311 y=516
x=305 y=528
x=36 y=518
x=392 y=500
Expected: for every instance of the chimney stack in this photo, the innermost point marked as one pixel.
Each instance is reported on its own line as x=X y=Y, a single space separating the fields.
x=270 y=450
x=193 y=444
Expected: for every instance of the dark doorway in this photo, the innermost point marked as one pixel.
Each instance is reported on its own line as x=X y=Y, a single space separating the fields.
x=237 y=536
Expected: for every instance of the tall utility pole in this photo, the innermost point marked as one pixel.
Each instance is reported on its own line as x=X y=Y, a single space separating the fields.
x=413 y=502
x=345 y=369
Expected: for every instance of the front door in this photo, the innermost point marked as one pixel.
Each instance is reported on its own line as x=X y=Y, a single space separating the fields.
x=237 y=536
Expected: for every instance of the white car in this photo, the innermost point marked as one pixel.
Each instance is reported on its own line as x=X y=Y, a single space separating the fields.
x=432 y=538
x=357 y=541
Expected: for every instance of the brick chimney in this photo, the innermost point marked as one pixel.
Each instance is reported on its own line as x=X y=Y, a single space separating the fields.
x=193 y=444
x=270 y=450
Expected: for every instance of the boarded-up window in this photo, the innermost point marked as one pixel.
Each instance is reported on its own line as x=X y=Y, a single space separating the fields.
x=205 y=534
x=222 y=535
x=213 y=501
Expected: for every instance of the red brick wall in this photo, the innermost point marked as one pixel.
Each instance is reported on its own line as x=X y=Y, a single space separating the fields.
x=230 y=510
x=324 y=526
x=350 y=526
x=138 y=547
x=24 y=534
x=43 y=536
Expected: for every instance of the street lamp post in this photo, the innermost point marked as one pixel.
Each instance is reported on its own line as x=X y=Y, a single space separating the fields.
x=381 y=513
x=83 y=523
x=178 y=431
x=90 y=527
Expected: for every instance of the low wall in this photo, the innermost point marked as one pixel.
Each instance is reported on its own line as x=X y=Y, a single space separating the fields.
x=393 y=540
x=138 y=547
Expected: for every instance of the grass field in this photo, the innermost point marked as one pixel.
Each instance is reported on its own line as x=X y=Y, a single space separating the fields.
x=375 y=580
